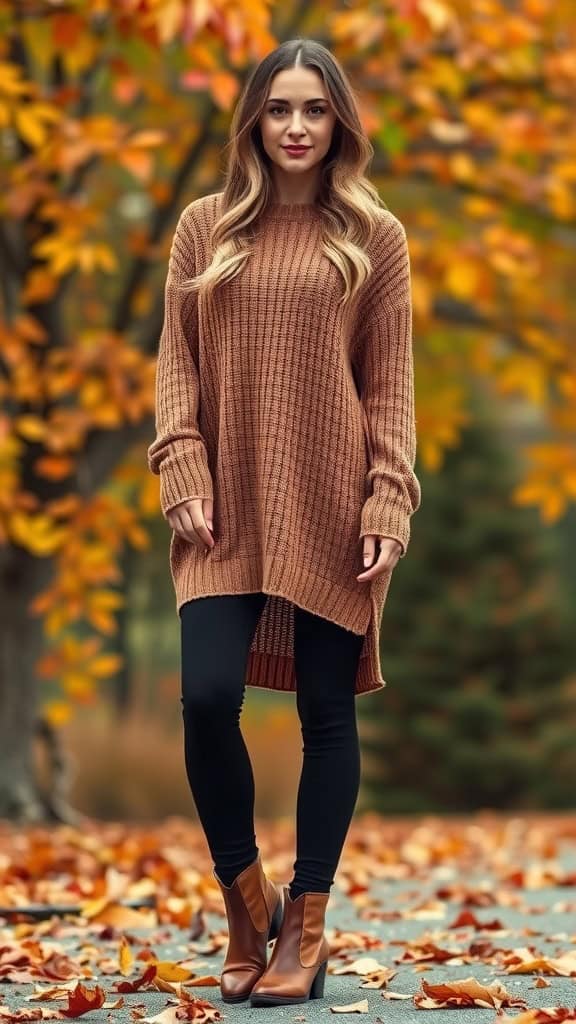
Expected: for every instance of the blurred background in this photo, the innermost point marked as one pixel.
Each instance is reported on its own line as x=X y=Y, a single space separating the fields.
x=113 y=116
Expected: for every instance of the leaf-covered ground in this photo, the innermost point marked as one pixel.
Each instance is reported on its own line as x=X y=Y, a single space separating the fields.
x=469 y=919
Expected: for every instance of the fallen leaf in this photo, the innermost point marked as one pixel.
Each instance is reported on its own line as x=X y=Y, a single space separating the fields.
x=466 y=992
x=361 y=1007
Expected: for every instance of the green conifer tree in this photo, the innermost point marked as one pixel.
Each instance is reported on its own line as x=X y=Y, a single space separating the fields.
x=478 y=650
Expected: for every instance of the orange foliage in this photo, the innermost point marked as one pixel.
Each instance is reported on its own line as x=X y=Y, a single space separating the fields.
x=469 y=104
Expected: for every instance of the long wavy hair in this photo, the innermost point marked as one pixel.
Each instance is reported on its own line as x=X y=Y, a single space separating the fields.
x=348 y=203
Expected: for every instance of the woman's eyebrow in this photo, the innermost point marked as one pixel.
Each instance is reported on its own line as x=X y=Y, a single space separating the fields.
x=275 y=99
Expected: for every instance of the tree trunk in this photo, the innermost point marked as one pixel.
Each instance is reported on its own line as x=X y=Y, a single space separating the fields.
x=122 y=691
x=22 y=576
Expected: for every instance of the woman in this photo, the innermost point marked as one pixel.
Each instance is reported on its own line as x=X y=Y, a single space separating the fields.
x=285 y=436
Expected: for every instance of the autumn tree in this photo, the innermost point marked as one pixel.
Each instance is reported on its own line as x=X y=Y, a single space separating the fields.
x=112 y=116
x=477 y=649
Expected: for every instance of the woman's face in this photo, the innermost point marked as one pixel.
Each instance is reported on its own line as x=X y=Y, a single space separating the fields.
x=298 y=113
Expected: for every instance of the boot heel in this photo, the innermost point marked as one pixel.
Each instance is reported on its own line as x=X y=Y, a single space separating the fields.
x=276 y=921
x=317 y=988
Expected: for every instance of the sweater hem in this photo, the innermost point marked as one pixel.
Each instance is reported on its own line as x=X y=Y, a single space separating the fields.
x=319 y=594
x=310 y=592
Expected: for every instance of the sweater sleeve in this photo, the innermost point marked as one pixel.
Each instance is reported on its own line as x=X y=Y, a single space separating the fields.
x=386 y=376
x=178 y=453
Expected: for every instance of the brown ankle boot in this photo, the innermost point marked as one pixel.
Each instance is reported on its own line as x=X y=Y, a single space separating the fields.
x=254 y=911
x=297 y=967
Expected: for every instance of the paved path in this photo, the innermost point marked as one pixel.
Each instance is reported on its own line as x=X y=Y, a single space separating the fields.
x=419 y=893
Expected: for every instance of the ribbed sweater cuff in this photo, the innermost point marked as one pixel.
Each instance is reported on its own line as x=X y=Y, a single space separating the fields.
x=385 y=521
x=184 y=476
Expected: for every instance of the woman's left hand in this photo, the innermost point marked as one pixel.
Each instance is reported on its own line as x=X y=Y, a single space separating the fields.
x=390 y=550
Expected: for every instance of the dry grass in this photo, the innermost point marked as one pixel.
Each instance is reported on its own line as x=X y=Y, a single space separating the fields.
x=132 y=769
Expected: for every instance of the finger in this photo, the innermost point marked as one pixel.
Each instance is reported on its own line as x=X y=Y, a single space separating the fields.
x=188 y=524
x=209 y=513
x=369 y=551
x=184 y=533
x=198 y=526
x=384 y=563
x=185 y=528
x=369 y=572
x=174 y=523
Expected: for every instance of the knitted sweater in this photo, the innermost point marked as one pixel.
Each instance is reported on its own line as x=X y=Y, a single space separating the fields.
x=303 y=449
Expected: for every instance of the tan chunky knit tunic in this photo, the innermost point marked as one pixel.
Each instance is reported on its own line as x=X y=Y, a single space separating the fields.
x=303 y=450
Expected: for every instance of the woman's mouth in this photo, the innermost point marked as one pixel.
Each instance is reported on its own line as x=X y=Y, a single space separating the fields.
x=296 y=150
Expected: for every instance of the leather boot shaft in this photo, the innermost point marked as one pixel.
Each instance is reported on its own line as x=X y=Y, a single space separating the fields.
x=299 y=960
x=254 y=912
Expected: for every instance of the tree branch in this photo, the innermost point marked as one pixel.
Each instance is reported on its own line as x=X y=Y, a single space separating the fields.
x=161 y=218
x=381 y=166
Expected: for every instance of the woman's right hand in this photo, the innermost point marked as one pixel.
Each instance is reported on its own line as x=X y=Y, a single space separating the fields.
x=192 y=520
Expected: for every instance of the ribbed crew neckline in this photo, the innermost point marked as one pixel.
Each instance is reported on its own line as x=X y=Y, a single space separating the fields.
x=292 y=211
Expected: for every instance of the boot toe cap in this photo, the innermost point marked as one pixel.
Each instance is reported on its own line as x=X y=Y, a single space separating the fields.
x=238 y=984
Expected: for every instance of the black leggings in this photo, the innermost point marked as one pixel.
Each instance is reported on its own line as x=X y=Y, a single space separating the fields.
x=216 y=634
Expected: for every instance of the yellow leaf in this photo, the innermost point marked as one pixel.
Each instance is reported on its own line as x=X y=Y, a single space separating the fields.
x=59 y=251
x=56 y=621
x=45 y=111
x=431 y=454
x=462 y=279
x=168 y=19
x=553 y=505
x=125 y=956
x=570 y=483
x=566 y=169
x=561 y=198
x=105 y=912
x=167 y=970
x=78 y=685
x=86 y=257
x=105 y=665
x=524 y=375
x=107 y=414
x=106 y=599
x=138 y=537
x=58 y=712
x=422 y=295
x=38 y=534
x=31 y=427
x=527 y=494
x=82 y=55
x=11 y=81
x=91 y=393
x=29 y=127
x=462 y=167
x=102 y=622
x=479 y=206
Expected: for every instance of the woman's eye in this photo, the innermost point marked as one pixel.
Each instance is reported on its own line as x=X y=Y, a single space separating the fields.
x=282 y=110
